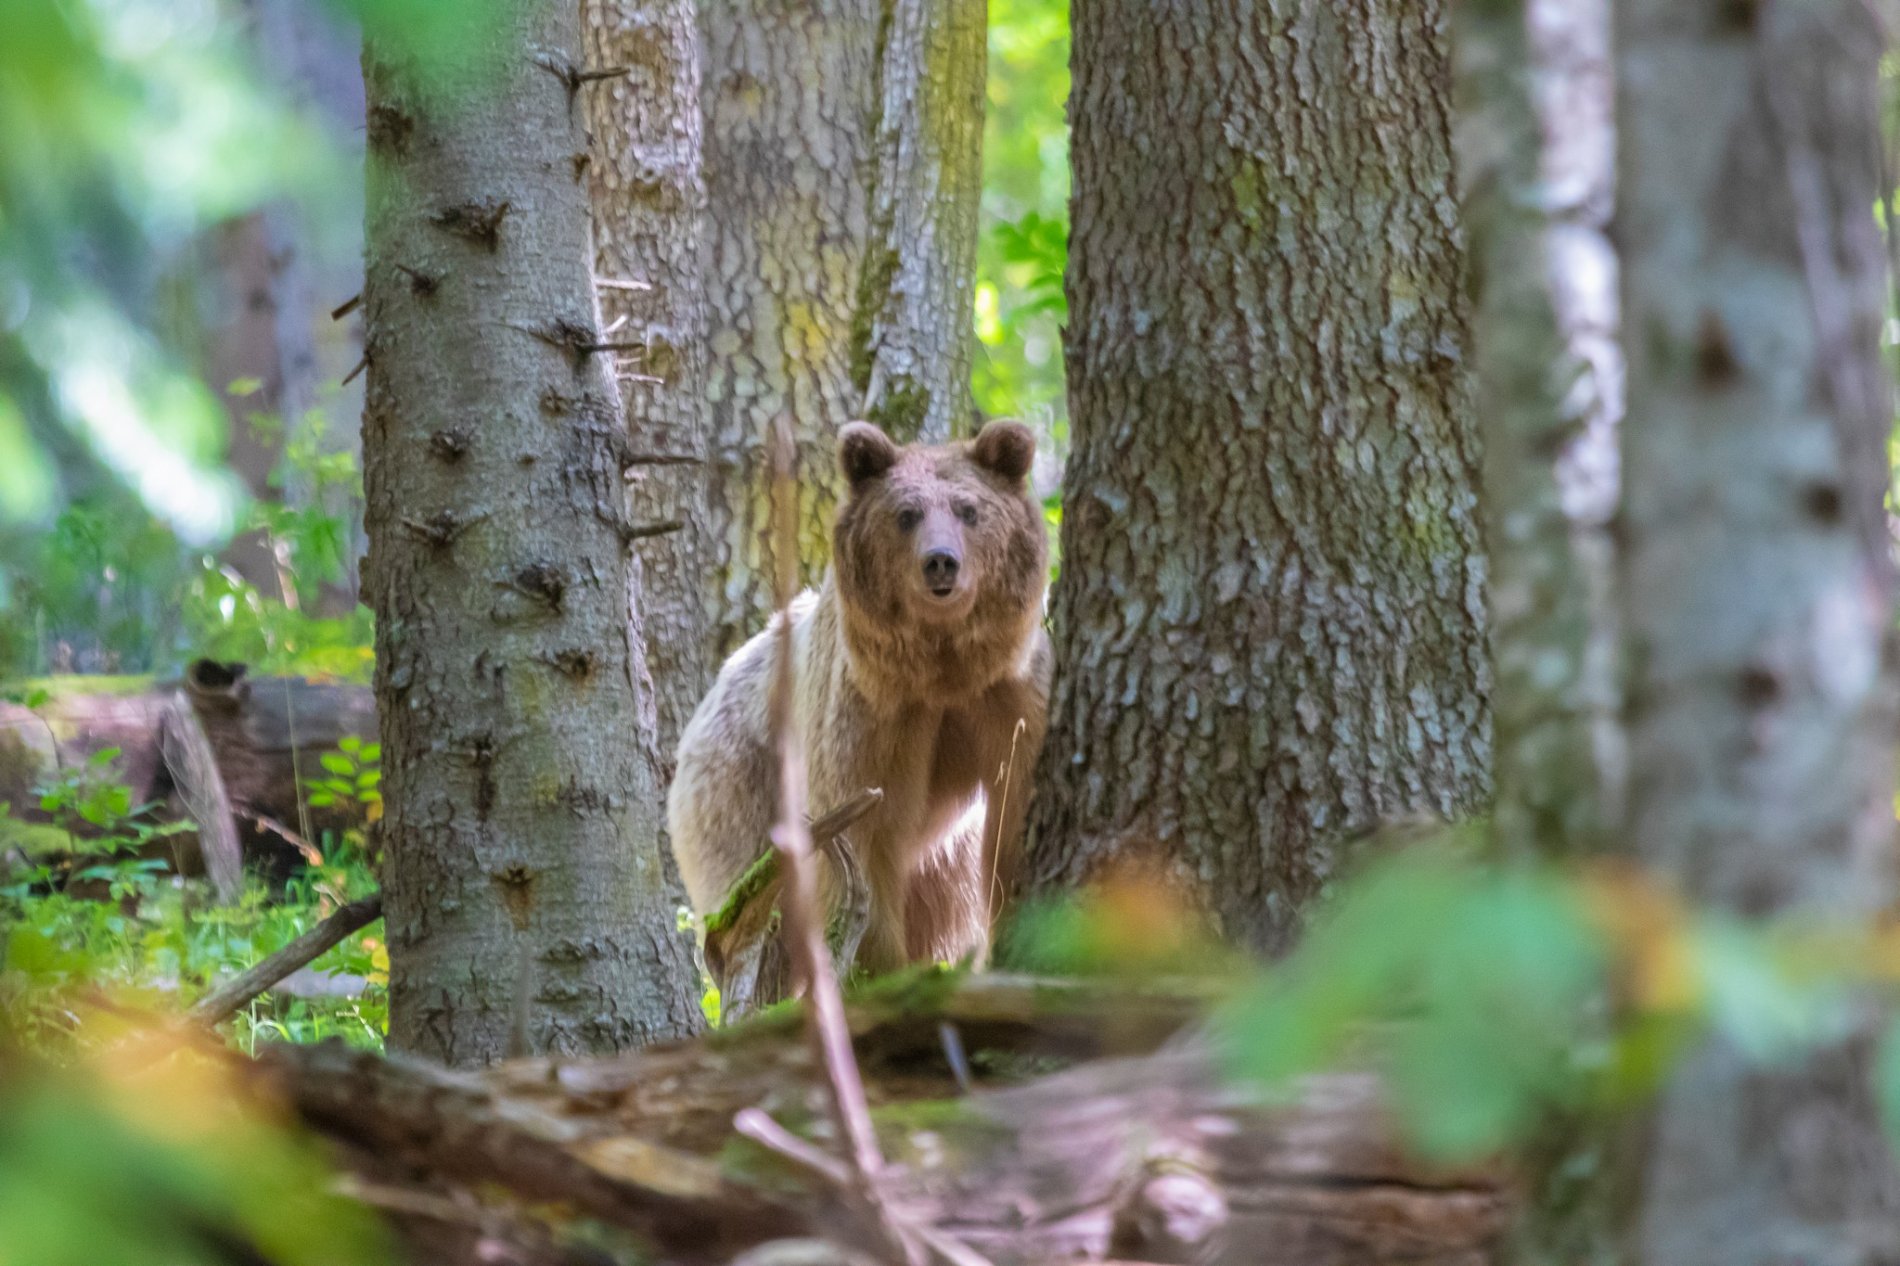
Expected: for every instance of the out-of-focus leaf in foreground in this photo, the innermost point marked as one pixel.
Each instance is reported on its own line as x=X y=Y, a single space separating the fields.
x=153 y=1154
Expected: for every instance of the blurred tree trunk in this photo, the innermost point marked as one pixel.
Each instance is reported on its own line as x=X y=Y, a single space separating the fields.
x=1756 y=584
x=525 y=896
x=649 y=197
x=1536 y=144
x=270 y=322
x=1536 y=150
x=1270 y=626
x=843 y=169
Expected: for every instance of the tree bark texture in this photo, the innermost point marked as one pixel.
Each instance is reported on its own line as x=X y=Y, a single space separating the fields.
x=649 y=199
x=1760 y=719
x=843 y=167
x=1535 y=156
x=525 y=895
x=1270 y=625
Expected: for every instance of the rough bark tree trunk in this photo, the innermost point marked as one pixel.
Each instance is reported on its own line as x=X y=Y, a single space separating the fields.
x=843 y=162
x=525 y=895
x=1270 y=627
x=1756 y=599
x=1536 y=161
x=648 y=198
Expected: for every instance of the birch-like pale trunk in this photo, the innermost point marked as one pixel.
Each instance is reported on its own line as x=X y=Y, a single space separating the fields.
x=1756 y=598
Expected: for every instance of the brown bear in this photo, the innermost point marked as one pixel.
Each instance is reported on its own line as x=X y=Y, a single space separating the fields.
x=921 y=668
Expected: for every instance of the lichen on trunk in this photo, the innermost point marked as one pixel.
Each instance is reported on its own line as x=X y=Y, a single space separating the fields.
x=842 y=159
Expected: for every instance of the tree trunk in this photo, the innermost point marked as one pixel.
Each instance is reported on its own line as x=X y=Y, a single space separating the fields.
x=1536 y=147
x=649 y=197
x=1535 y=150
x=1269 y=627
x=525 y=894
x=1756 y=595
x=843 y=155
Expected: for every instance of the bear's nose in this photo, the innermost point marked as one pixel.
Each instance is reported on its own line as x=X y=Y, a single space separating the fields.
x=940 y=571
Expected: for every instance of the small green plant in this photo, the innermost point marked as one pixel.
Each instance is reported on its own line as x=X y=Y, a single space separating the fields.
x=351 y=776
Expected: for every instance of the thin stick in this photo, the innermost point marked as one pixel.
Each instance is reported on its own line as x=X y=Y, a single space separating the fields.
x=756 y=1125
x=804 y=921
x=306 y=949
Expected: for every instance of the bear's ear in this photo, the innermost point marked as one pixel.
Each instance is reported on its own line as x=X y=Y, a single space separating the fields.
x=864 y=452
x=1007 y=448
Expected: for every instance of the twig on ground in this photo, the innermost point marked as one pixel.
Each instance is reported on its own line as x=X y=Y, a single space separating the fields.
x=306 y=949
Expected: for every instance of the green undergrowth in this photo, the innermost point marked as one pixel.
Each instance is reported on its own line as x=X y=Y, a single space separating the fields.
x=108 y=920
x=158 y=942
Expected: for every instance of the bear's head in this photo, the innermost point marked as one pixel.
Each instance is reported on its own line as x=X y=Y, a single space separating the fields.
x=942 y=538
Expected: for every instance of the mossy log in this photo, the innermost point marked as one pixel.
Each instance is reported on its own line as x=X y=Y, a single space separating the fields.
x=1135 y=1148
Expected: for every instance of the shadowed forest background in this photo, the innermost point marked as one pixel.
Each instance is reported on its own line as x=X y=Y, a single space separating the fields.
x=1465 y=828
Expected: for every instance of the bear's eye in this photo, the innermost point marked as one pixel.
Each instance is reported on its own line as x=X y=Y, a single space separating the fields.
x=908 y=519
x=966 y=511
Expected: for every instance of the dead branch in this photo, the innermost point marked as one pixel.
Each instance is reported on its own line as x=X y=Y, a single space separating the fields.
x=1156 y=1157
x=306 y=949
x=193 y=765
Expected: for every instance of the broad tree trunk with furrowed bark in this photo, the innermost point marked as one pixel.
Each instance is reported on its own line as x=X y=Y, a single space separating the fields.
x=649 y=198
x=1756 y=593
x=843 y=167
x=1270 y=624
x=525 y=896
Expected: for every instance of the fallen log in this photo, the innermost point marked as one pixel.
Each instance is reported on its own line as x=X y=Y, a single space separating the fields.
x=218 y=746
x=1141 y=1151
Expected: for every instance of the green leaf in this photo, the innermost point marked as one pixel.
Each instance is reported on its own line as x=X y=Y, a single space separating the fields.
x=1757 y=998
x=242 y=387
x=369 y=779
x=372 y=753
x=321 y=800
x=350 y=743
x=103 y=757
x=337 y=764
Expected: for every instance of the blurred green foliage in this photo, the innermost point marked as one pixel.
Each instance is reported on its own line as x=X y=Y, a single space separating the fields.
x=155 y=1156
x=1024 y=244
x=1498 y=996
x=128 y=130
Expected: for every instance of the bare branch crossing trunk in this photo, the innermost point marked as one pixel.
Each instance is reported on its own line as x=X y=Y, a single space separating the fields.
x=1756 y=595
x=1270 y=622
x=843 y=166
x=525 y=897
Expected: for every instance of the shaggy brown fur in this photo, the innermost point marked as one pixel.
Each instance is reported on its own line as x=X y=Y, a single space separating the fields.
x=921 y=668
